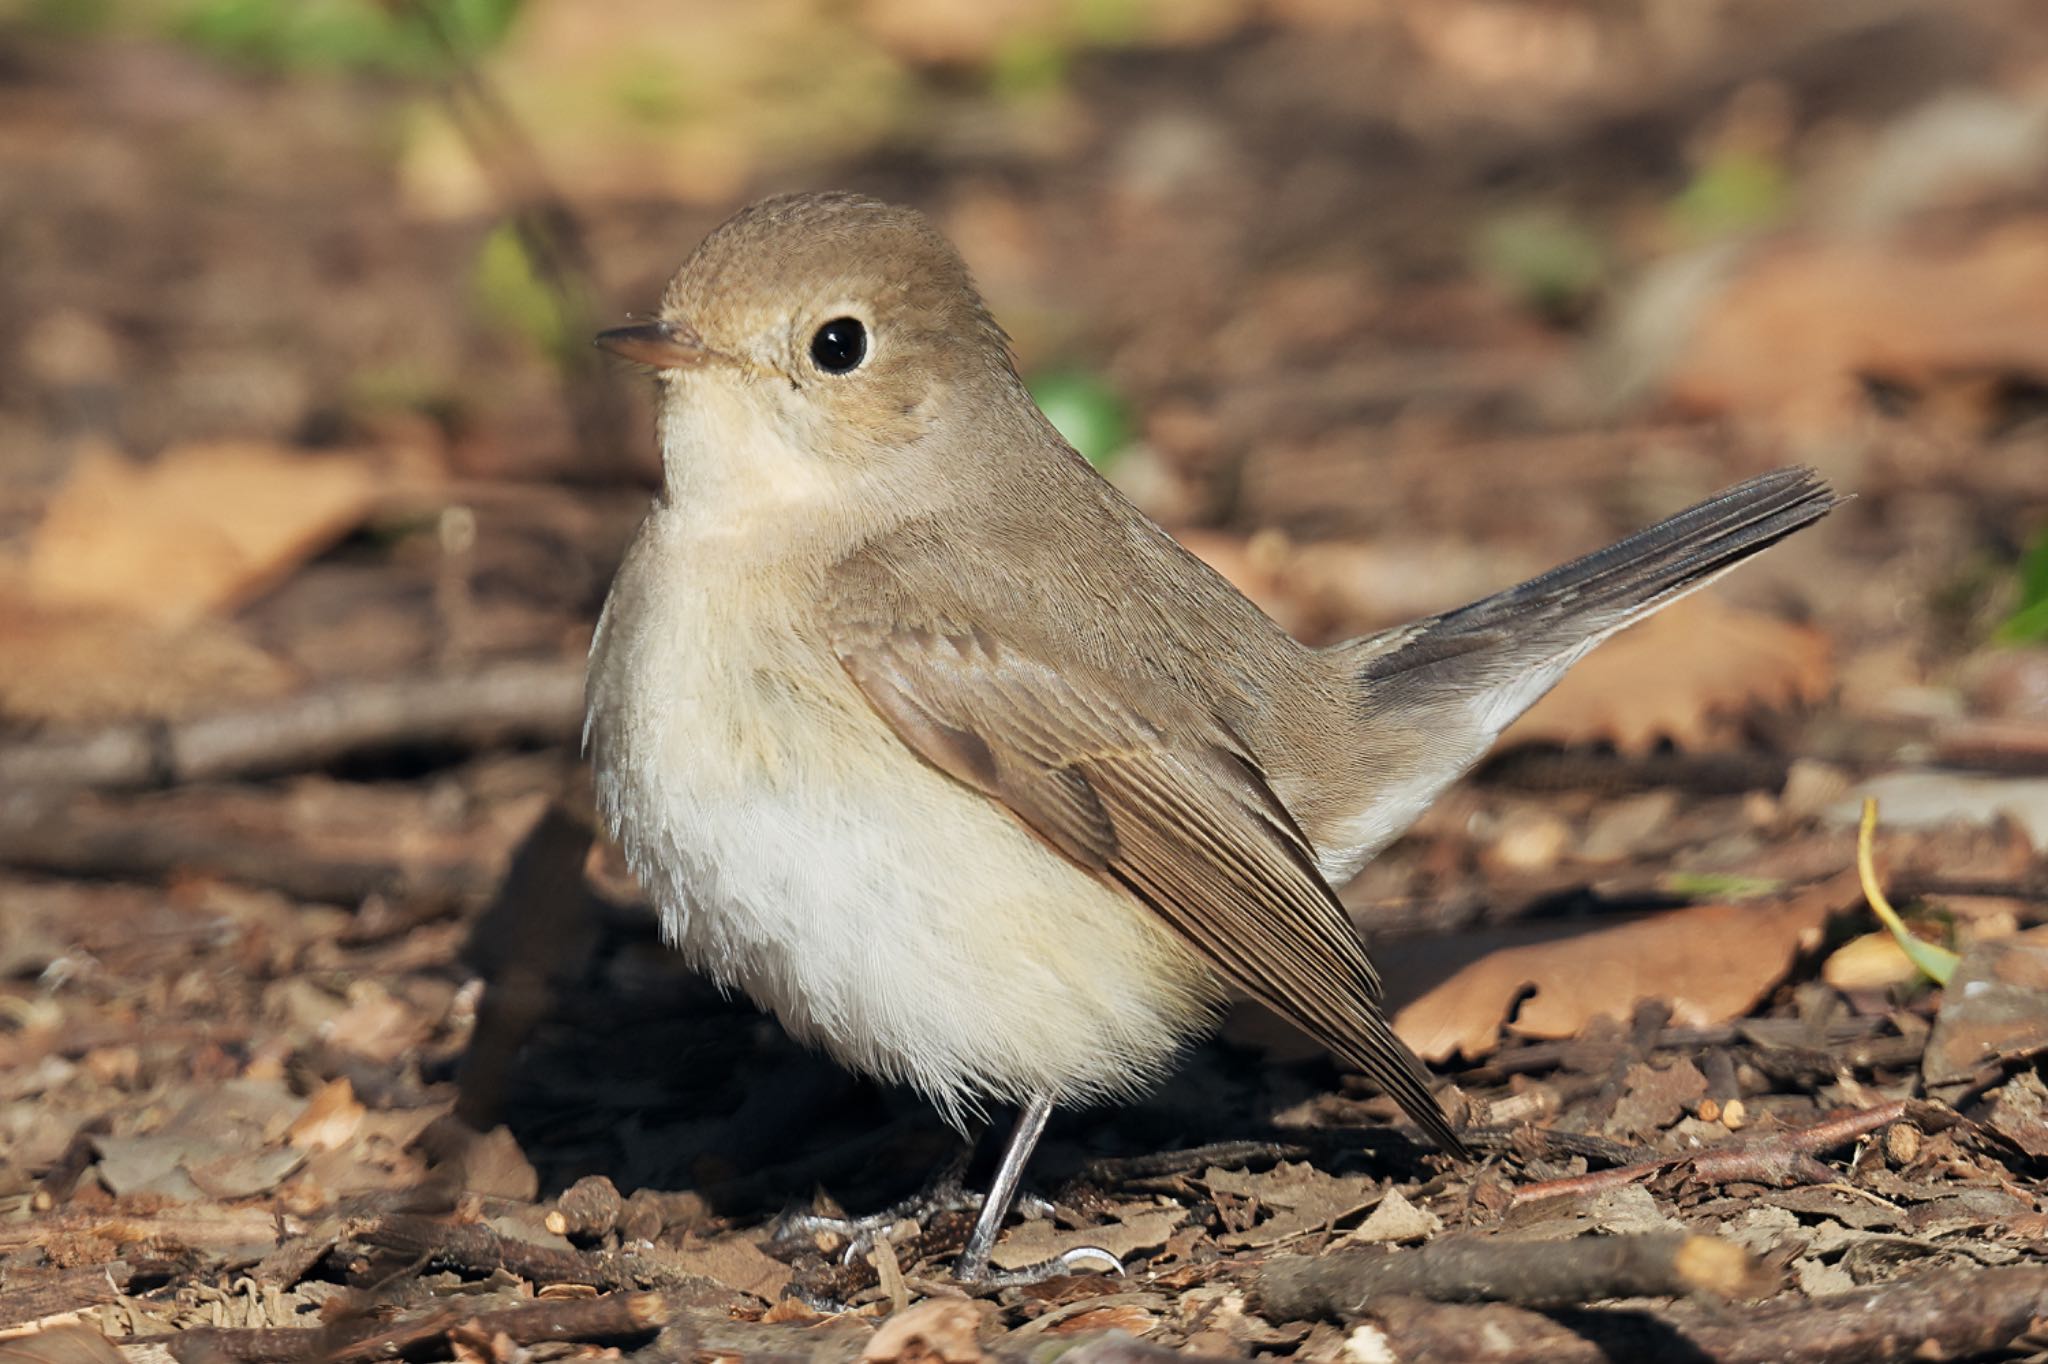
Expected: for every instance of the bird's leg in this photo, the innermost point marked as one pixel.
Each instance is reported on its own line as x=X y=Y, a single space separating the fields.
x=972 y=1266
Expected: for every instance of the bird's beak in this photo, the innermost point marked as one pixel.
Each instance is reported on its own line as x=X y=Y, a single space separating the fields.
x=662 y=345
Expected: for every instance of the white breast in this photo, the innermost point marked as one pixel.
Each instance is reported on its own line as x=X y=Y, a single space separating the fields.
x=798 y=850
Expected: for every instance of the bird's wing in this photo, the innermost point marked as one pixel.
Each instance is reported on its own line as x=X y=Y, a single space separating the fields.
x=1163 y=802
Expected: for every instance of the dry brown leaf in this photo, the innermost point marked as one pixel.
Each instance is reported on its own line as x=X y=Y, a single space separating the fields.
x=330 y=1119
x=1874 y=961
x=1793 y=335
x=1684 y=675
x=1128 y=1317
x=1395 y=1220
x=75 y=666
x=736 y=1262
x=198 y=530
x=1034 y=1242
x=939 y=1328
x=376 y=1024
x=1711 y=963
x=68 y=1344
x=490 y=1163
x=1303 y=1198
x=792 y=1310
x=1655 y=1097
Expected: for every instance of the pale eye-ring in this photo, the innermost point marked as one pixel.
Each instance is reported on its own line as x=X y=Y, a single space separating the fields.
x=840 y=345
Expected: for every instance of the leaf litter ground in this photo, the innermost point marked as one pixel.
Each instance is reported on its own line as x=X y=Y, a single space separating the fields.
x=324 y=1034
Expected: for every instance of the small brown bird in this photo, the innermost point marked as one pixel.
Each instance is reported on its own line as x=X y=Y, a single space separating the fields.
x=925 y=738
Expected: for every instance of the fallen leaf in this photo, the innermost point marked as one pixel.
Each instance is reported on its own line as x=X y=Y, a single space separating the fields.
x=736 y=1262
x=330 y=1119
x=791 y=1309
x=1037 y=1241
x=2019 y=1113
x=61 y=1345
x=221 y=1145
x=1686 y=674
x=198 y=530
x=1127 y=1317
x=939 y=1328
x=483 y=1162
x=1630 y=1210
x=376 y=1024
x=244 y=1174
x=1303 y=1199
x=153 y=1165
x=1621 y=828
x=1711 y=963
x=1656 y=1097
x=79 y=665
x=1794 y=333
x=1874 y=961
x=1395 y=1219
x=1994 y=1008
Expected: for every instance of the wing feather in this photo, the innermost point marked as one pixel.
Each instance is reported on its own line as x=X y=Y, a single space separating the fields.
x=1161 y=799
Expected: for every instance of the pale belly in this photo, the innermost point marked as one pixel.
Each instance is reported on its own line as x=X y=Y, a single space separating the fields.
x=798 y=851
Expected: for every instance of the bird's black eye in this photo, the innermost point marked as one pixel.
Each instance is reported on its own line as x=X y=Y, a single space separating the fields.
x=839 y=346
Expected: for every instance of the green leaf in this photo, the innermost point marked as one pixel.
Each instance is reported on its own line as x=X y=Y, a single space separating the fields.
x=509 y=294
x=1710 y=886
x=345 y=34
x=1027 y=65
x=1932 y=960
x=1733 y=192
x=2028 y=623
x=1086 y=411
x=1551 y=263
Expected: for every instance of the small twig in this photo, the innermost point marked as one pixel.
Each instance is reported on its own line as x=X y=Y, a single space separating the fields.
x=474 y=1248
x=2012 y=746
x=548 y=231
x=31 y=1295
x=1548 y=1142
x=619 y=1316
x=1948 y=1315
x=536 y=700
x=1911 y=886
x=1114 y=1170
x=112 y=843
x=1781 y=1158
x=1345 y=1284
x=587 y=1210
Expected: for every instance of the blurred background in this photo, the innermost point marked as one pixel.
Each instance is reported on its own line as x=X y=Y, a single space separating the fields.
x=311 y=486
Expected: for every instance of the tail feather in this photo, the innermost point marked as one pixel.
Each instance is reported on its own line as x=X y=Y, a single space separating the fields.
x=1550 y=621
x=1436 y=694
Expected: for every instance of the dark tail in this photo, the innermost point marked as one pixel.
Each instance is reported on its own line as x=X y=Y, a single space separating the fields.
x=1457 y=680
x=1572 y=608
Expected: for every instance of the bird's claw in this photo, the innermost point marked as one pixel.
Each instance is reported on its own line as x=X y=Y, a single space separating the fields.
x=1079 y=1260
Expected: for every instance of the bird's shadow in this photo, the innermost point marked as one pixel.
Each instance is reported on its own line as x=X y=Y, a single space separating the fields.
x=642 y=1072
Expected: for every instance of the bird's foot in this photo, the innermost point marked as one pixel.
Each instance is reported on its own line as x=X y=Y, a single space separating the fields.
x=857 y=1236
x=1079 y=1260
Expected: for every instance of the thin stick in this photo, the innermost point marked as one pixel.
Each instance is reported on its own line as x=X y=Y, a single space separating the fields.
x=1785 y=1157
